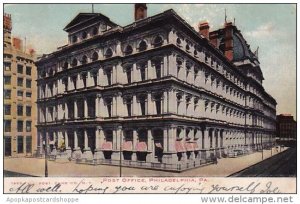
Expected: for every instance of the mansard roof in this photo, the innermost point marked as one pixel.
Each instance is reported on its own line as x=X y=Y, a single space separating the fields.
x=85 y=17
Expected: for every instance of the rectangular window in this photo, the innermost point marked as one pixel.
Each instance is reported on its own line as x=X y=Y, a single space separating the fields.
x=20 y=69
x=28 y=144
x=20 y=81
x=20 y=93
x=28 y=94
x=7 y=94
x=28 y=71
x=28 y=83
x=20 y=126
x=143 y=107
x=20 y=110
x=20 y=144
x=7 y=125
x=7 y=109
x=28 y=110
x=7 y=66
x=143 y=74
x=28 y=126
x=7 y=80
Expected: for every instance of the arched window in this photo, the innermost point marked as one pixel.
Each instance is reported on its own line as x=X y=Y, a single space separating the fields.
x=178 y=41
x=187 y=47
x=195 y=52
x=95 y=56
x=74 y=39
x=84 y=59
x=65 y=65
x=158 y=41
x=142 y=45
x=108 y=53
x=128 y=50
x=95 y=31
x=84 y=35
x=43 y=74
x=51 y=72
x=74 y=62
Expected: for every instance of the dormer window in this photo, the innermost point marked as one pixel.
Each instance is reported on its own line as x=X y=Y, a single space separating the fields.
x=84 y=35
x=158 y=41
x=74 y=39
x=142 y=46
x=128 y=50
x=108 y=53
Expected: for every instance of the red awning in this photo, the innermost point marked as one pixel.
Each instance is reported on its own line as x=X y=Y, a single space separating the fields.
x=179 y=146
x=127 y=146
x=189 y=146
x=141 y=147
x=107 y=146
x=158 y=145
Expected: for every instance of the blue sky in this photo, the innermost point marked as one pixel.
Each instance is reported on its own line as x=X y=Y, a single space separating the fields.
x=272 y=27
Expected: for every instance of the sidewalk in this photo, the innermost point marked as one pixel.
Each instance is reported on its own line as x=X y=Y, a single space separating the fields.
x=35 y=167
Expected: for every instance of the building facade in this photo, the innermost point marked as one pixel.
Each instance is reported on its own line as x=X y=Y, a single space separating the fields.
x=19 y=95
x=154 y=93
x=286 y=127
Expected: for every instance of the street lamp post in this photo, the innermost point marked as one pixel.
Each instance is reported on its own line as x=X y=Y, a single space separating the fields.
x=262 y=148
x=46 y=157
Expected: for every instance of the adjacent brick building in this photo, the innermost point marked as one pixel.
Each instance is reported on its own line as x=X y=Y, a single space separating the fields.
x=19 y=95
x=286 y=127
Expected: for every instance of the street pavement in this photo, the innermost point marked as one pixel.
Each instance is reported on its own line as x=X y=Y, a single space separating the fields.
x=281 y=165
x=224 y=168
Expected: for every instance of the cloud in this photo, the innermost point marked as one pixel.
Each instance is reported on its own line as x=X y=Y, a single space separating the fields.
x=263 y=31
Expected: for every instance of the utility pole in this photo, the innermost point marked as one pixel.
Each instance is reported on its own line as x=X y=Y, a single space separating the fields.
x=46 y=156
x=262 y=148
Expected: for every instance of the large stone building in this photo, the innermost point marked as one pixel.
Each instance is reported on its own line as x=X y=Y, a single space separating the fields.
x=286 y=128
x=19 y=95
x=155 y=93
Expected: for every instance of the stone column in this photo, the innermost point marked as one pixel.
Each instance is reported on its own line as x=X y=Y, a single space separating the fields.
x=150 y=110
x=150 y=70
x=77 y=154
x=75 y=109
x=172 y=103
x=172 y=67
x=102 y=78
x=165 y=102
x=85 y=108
x=68 y=148
x=117 y=137
x=135 y=109
x=165 y=66
x=134 y=142
x=99 y=141
x=101 y=107
x=87 y=150
x=151 y=147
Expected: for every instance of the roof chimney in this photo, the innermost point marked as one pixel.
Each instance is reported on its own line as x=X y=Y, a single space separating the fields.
x=17 y=44
x=7 y=22
x=204 y=29
x=228 y=37
x=140 y=11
